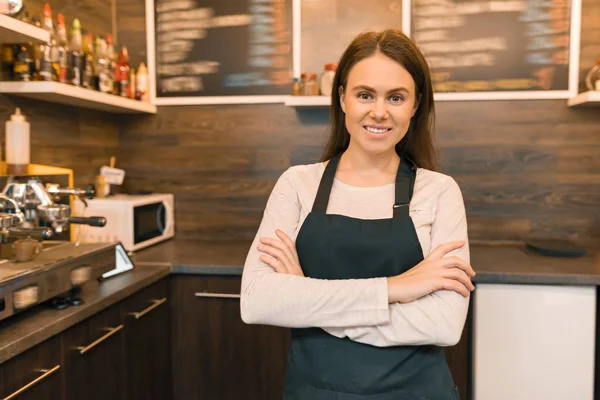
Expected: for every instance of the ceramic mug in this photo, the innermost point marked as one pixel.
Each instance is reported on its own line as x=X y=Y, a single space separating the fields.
x=26 y=249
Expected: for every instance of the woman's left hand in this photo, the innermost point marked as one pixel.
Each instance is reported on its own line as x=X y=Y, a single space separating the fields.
x=280 y=254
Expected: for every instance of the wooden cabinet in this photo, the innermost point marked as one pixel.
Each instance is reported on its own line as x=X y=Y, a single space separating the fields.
x=215 y=355
x=36 y=374
x=94 y=354
x=180 y=338
x=147 y=343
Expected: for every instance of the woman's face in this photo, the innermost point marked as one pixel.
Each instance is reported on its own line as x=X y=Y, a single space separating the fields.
x=378 y=102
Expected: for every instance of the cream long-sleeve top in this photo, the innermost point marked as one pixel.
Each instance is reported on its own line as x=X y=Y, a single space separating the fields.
x=357 y=308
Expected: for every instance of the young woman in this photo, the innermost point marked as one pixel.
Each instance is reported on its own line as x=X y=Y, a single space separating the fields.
x=378 y=277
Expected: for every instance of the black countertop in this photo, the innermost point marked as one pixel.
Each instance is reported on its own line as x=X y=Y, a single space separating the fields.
x=494 y=262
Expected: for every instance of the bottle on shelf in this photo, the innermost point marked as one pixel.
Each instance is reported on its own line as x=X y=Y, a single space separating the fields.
x=326 y=82
x=88 y=79
x=17 y=142
x=122 y=73
x=105 y=81
x=8 y=61
x=592 y=79
x=77 y=57
x=23 y=65
x=297 y=87
x=132 y=81
x=62 y=49
x=141 y=84
x=48 y=57
x=112 y=57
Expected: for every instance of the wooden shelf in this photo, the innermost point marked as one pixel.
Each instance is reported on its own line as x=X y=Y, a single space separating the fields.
x=585 y=99
x=14 y=31
x=62 y=93
x=308 y=101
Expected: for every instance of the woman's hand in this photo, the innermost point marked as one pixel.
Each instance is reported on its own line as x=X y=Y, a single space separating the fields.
x=433 y=273
x=280 y=254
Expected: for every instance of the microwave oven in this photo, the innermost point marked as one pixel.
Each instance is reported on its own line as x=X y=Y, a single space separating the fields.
x=135 y=220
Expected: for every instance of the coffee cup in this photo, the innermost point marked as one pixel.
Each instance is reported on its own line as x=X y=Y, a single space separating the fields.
x=26 y=249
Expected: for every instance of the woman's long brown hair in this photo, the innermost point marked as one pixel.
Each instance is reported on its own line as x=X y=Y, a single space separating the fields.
x=418 y=144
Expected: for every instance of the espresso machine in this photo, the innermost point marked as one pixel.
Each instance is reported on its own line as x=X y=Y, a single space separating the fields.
x=36 y=205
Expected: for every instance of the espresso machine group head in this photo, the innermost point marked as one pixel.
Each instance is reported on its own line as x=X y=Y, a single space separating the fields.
x=34 y=200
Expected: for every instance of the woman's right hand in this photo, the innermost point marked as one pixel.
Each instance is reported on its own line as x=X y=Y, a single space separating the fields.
x=435 y=272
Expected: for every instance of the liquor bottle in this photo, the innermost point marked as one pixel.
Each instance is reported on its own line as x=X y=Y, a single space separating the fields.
x=105 y=81
x=89 y=73
x=112 y=57
x=122 y=73
x=62 y=49
x=48 y=58
x=77 y=56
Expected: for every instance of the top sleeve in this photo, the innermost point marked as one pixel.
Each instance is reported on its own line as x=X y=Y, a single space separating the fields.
x=271 y=298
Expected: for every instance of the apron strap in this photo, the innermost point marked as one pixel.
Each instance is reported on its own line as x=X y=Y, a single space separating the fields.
x=405 y=183
x=322 y=199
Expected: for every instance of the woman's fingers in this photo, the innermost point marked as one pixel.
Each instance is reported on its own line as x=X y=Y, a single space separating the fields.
x=457 y=262
x=277 y=253
x=290 y=245
x=444 y=249
x=460 y=276
x=273 y=263
x=451 y=284
x=283 y=250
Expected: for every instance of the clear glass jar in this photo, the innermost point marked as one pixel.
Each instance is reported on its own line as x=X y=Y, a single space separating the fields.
x=310 y=87
x=296 y=87
x=592 y=79
x=326 y=83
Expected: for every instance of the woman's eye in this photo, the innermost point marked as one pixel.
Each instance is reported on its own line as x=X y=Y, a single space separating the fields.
x=396 y=98
x=364 y=96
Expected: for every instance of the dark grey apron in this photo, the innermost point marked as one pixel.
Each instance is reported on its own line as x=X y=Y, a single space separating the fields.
x=324 y=367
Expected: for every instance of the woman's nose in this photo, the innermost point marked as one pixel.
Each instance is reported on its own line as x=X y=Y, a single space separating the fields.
x=379 y=110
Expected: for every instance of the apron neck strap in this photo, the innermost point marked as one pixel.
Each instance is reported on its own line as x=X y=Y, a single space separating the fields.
x=405 y=181
x=320 y=204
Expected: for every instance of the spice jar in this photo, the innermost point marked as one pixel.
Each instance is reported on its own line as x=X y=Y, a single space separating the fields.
x=296 y=87
x=326 y=83
x=309 y=84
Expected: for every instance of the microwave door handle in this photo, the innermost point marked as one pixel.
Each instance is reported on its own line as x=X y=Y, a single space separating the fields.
x=167 y=225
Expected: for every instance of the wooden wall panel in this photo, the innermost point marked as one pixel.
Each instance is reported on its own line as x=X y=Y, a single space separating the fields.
x=63 y=136
x=526 y=168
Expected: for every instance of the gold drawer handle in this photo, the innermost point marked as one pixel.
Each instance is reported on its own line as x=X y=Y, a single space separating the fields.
x=155 y=304
x=46 y=373
x=111 y=331
x=218 y=295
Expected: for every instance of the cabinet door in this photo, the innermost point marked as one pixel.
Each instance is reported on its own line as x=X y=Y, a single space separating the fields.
x=94 y=357
x=215 y=355
x=147 y=343
x=36 y=374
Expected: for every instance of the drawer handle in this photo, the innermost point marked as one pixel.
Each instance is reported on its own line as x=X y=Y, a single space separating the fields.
x=46 y=373
x=111 y=331
x=155 y=303
x=218 y=295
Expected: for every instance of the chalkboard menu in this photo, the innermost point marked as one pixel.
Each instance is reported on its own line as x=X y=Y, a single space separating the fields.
x=221 y=50
x=519 y=46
